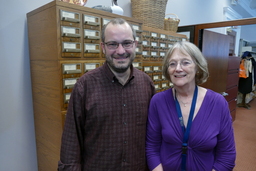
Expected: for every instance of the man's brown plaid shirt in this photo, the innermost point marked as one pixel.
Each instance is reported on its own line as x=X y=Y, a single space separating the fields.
x=106 y=123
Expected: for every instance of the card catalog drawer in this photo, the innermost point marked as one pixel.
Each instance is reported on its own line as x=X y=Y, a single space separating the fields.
x=137 y=28
x=157 y=86
x=154 y=35
x=91 y=22
x=71 y=68
x=162 y=54
x=138 y=51
x=70 y=31
x=105 y=21
x=69 y=16
x=154 y=54
x=145 y=44
x=163 y=37
x=91 y=48
x=90 y=66
x=165 y=84
x=68 y=83
x=138 y=39
x=91 y=34
x=71 y=47
x=156 y=77
x=137 y=65
x=157 y=69
x=147 y=69
x=146 y=34
x=154 y=45
x=66 y=97
x=145 y=54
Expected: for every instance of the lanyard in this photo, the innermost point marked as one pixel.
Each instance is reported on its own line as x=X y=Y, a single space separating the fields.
x=184 y=130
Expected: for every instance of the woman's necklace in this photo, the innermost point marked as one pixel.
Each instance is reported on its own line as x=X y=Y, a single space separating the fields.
x=184 y=103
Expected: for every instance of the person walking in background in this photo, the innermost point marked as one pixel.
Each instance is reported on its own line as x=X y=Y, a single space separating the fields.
x=105 y=126
x=189 y=127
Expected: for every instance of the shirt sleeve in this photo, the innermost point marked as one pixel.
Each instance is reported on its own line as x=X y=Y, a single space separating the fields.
x=225 y=149
x=154 y=139
x=72 y=137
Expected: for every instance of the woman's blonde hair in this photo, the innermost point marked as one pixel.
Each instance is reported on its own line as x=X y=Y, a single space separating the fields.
x=192 y=50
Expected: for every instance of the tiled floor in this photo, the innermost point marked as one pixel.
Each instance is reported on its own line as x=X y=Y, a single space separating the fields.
x=245 y=136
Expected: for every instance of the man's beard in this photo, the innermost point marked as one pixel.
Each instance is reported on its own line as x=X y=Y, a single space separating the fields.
x=121 y=68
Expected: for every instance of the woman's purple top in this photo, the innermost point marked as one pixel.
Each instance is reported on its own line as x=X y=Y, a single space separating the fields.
x=211 y=141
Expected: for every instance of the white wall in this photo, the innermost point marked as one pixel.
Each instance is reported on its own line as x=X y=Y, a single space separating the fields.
x=17 y=135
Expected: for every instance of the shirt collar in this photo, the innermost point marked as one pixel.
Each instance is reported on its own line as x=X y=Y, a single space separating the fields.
x=112 y=77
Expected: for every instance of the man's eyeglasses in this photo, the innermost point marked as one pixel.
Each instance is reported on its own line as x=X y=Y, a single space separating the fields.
x=114 y=45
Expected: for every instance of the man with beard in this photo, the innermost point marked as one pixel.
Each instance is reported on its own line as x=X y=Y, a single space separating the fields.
x=105 y=125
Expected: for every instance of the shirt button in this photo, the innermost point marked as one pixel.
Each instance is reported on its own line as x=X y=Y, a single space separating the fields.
x=125 y=142
x=125 y=123
x=124 y=105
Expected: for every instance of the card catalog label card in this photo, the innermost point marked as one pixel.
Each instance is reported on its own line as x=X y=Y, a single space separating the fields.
x=90 y=46
x=162 y=53
x=135 y=27
x=162 y=44
x=136 y=64
x=70 y=82
x=146 y=68
x=89 y=18
x=67 y=96
x=69 y=30
x=156 y=68
x=153 y=44
x=105 y=21
x=70 y=67
x=145 y=53
x=154 y=34
x=163 y=36
x=156 y=77
x=69 y=46
x=90 y=33
x=153 y=53
x=145 y=42
x=68 y=14
x=90 y=66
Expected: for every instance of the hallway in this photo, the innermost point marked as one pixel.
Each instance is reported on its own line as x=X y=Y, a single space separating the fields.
x=245 y=136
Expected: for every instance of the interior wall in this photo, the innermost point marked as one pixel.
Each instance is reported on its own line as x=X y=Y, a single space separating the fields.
x=17 y=144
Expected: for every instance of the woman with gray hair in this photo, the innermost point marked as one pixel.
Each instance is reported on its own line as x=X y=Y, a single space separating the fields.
x=189 y=127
